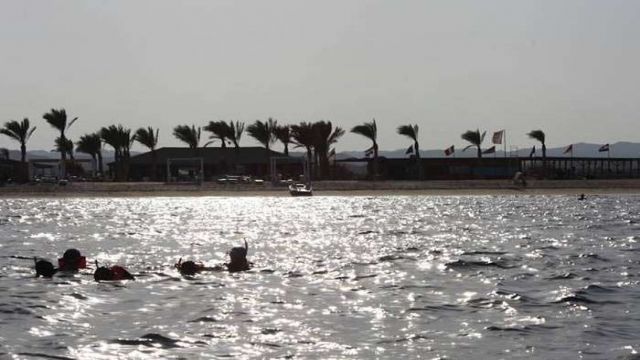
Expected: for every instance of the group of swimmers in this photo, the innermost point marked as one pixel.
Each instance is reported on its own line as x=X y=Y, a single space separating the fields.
x=72 y=261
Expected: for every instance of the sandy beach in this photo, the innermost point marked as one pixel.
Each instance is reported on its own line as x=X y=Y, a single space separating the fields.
x=330 y=188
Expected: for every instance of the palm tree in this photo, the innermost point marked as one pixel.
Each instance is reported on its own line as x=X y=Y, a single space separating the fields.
x=325 y=136
x=263 y=132
x=120 y=139
x=370 y=131
x=149 y=138
x=475 y=138
x=92 y=144
x=188 y=135
x=283 y=133
x=237 y=129
x=64 y=146
x=303 y=136
x=411 y=131
x=220 y=130
x=539 y=135
x=20 y=132
x=58 y=119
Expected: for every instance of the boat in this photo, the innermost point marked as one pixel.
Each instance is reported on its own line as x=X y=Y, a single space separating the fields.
x=300 y=190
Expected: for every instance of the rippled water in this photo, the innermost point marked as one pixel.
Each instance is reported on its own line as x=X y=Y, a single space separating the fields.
x=545 y=277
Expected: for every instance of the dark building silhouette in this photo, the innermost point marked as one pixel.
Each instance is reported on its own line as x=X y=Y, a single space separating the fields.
x=216 y=162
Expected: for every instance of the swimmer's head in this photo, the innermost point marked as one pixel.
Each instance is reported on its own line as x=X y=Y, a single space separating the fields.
x=188 y=267
x=239 y=253
x=103 y=273
x=44 y=268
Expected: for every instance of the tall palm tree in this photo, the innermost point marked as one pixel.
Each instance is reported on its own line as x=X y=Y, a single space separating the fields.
x=120 y=139
x=188 y=135
x=283 y=134
x=220 y=130
x=92 y=144
x=20 y=132
x=370 y=131
x=539 y=135
x=303 y=136
x=149 y=138
x=411 y=131
x=263 y=132
x=475 y=138
x=325 y=136
x=58 y=119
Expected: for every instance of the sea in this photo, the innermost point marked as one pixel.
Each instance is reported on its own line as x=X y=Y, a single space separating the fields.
x=335 y=277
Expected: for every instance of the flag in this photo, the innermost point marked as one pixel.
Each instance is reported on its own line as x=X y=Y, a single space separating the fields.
x=569 y=149
x=490 y=150
x=450 y=150
x=409 y=150
x=497 y=137
x=604 y=148
x=533 y=151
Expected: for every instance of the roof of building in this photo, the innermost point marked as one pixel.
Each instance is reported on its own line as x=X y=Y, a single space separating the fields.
x=212 y=155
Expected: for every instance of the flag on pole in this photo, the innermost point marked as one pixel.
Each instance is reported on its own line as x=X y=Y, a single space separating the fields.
x=450 y=150
x=409 y=150
x=490 y=150
x=533 y=151
x=569 y=149
x=497 y=137
x=604 y=148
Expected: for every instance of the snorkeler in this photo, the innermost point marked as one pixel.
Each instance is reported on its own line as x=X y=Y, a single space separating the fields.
x=238 y=256
x=44 y=268
x=72 y=261
x=238 y=262
x=113 y=273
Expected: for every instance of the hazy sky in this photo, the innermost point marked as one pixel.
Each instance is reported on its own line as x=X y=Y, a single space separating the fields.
x=570 y=68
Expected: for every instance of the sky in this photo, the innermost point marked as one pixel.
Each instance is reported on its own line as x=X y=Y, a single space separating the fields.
x=567 y=67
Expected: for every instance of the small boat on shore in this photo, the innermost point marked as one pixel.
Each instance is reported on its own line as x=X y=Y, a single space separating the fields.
x=300 y=190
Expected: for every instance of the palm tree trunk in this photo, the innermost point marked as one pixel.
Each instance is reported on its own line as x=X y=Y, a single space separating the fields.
x=417 y=150
x=479 y=152
x=286 y=149
x=375 y=161
x=23 y=151
x=309 y=159
x=94 y=164
x=268 y=153
x=100 y=163
x=154 y=162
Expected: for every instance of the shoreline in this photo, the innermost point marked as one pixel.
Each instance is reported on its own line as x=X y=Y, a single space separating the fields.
x=331 y=188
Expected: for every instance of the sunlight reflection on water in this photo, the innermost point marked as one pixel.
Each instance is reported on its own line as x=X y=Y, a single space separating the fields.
x=346 y=277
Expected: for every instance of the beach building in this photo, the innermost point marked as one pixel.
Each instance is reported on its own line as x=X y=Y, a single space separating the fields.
x=178 y=163
x=503 y=168
x=12 y=170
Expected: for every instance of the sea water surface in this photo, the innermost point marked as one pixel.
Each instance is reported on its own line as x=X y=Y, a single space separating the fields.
x=455 y=277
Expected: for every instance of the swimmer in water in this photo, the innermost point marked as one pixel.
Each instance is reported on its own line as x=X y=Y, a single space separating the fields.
x=238 y=262
x=44 y=268
x=72 y=261
x=113 y=273
x=582 y=197
x=238 y=257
